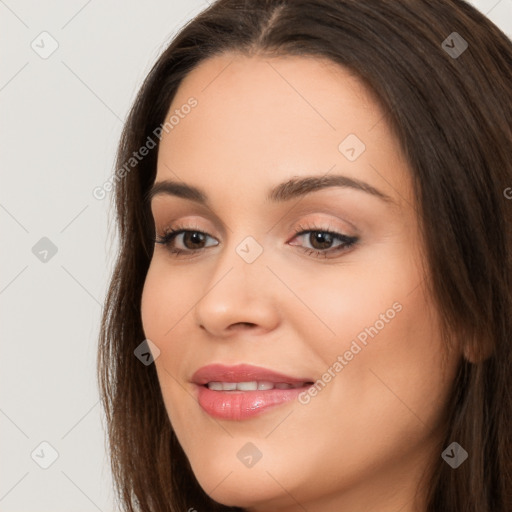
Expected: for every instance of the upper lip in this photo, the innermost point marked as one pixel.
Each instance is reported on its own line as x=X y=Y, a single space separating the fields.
x=241 y=373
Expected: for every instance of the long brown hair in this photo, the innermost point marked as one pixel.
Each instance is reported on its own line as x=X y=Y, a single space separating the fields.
x=452 y=115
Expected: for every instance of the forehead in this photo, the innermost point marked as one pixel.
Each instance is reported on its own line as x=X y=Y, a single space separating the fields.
x=261 y=119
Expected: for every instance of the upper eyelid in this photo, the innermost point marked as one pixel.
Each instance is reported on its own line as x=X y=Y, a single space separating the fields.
x=328 y=218
x=289 y=219
x=205 y=215
x=325 y=225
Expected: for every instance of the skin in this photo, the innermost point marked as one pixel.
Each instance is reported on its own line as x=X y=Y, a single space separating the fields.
x=363 y=443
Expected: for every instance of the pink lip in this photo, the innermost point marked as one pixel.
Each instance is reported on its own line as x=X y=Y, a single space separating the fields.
x=239 y=405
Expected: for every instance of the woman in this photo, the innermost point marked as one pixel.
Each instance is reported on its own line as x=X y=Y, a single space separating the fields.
x=311 y=307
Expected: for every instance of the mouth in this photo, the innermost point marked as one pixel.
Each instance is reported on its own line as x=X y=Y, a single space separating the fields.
x=253 y=385
x=244 y=391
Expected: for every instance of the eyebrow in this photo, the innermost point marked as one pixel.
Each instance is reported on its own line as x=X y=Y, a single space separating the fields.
x=290 y=189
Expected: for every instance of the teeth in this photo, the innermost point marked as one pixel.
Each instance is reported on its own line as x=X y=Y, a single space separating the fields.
x=252 y=386
x=262 y=386
x=247 y=386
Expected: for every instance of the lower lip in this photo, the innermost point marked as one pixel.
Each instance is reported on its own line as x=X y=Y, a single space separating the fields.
x=241 y=405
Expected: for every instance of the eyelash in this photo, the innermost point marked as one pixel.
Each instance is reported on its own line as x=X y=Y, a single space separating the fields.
x=347 y=241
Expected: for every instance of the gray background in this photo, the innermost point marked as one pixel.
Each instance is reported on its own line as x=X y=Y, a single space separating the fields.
x=61 y=119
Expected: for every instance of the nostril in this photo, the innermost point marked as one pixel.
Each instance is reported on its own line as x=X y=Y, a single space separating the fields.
x=243 y=324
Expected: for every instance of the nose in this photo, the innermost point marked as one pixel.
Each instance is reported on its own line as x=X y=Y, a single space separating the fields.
x=238 y=296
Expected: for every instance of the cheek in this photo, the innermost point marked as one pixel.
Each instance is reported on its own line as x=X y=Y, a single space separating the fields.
x=166 y=298
x=167 y=302
x=394 y=375
x=391 y=370
x=386 y=401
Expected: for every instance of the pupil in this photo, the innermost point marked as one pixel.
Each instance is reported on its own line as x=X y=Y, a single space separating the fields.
x=194 y=237
x=324 y=239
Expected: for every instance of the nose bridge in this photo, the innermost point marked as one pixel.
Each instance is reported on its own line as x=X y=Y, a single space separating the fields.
x=238 y=291
x=244 y=256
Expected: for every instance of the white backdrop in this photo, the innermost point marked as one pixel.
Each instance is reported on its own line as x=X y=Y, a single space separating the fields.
x=68 y=74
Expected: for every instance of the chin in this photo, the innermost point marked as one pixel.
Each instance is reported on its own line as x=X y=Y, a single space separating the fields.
x=241 y=486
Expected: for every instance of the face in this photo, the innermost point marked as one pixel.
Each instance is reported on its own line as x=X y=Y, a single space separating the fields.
x=300 y=355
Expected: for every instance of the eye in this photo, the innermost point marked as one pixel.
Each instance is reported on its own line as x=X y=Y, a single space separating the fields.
x=324 y=242
x=192 y=239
